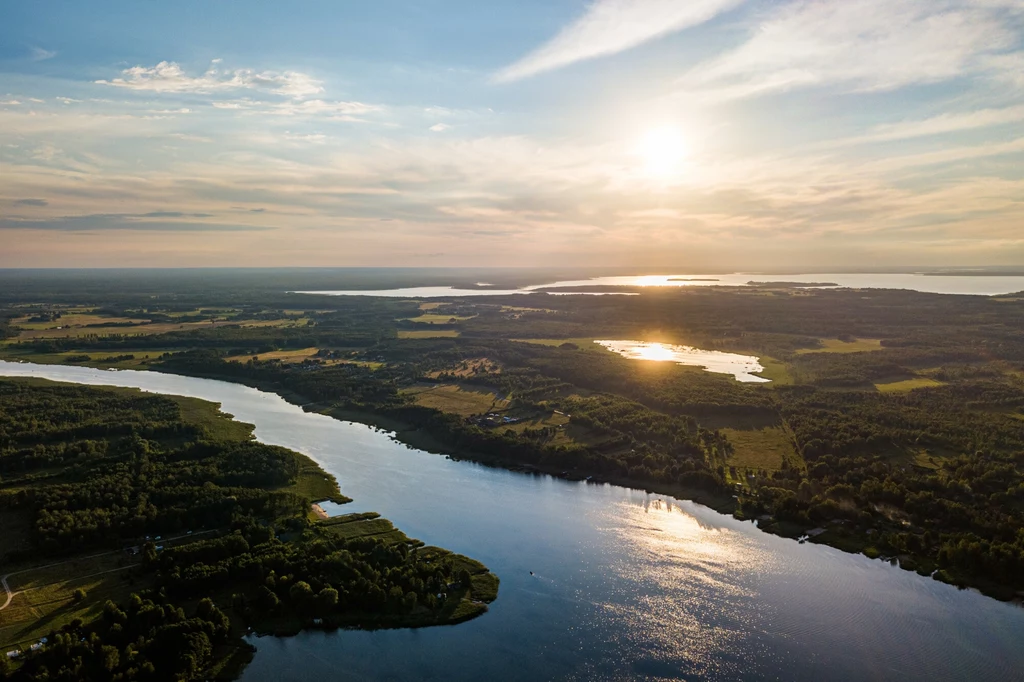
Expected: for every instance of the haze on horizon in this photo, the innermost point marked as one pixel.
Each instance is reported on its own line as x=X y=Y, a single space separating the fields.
x=713 y=133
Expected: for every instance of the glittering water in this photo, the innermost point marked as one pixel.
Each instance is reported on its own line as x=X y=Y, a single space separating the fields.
x=626 y=585
x=983 y=285
x=742 y=367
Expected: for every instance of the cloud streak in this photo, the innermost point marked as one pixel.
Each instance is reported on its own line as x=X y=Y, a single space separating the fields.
x=156 y=221
x=611 y=26
x=170 y=77
x=864 y=46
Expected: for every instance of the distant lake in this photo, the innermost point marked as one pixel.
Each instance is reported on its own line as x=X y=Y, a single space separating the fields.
x=625 y=585
x=741 y=367
x=981 y=285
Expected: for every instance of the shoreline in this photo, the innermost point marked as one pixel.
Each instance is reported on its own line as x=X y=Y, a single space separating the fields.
x=721 y=502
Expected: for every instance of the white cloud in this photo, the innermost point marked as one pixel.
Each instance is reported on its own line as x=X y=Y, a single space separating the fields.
x=439 y=127
x=867 y=45
x=38 y=54
x=336 y=111
x=939 y=125
x=170 y=77
x=611 y=26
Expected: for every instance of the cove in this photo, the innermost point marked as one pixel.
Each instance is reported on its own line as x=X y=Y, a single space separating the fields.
x=626 y=585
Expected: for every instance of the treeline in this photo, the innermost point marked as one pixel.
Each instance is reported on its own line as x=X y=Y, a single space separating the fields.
x=325 y=576
x=146 y=640
x=101 y=468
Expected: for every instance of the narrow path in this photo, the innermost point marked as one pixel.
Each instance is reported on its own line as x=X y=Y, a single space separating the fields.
x=10 y=595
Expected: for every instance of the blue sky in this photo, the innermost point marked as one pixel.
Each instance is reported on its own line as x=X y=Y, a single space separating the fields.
x=732 y=133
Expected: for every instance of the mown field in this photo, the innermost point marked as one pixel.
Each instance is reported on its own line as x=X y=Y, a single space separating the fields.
x=456 y=399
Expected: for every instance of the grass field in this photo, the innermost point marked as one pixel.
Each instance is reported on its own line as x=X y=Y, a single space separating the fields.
x=297 y=355
x=926 y=460
x=427 y=333
x=906 y=385
x=350 y=526
x=775 y=370
x=764 y=448
x=73 y=320
x=433 y=318
x=146 y=329
x=44 y=598
x=583 y=343
x=837 y=346
x=97 y=359
x=456 y=399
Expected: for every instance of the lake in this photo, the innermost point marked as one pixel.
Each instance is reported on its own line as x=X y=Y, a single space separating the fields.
x=626 y=586
x=981 y=285
x=741 y=367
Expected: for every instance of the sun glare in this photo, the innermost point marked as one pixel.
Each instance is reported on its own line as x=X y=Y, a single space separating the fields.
x=663 y=151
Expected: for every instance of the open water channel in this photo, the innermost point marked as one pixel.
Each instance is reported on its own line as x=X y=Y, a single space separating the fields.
x=626 y=585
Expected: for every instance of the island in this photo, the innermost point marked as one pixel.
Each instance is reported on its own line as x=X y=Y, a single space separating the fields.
x=791 y=285
x=145 y=535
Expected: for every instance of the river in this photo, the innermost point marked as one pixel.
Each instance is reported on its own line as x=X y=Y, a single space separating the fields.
x=626 y=585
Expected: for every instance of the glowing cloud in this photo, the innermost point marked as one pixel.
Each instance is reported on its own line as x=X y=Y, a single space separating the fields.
x=170 y=77
x=611 y=26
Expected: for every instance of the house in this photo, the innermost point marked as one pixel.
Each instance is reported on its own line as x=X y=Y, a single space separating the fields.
x=13 y=654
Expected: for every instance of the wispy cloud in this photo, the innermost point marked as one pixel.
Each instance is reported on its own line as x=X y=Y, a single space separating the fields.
x=868 y=45
x=338 y=111
x=611 y=26
x=38 y=54
x=32 y=202
x=157 y=221
x=170 y=77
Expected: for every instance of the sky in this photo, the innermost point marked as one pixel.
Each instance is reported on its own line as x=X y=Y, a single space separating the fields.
x=684 y=133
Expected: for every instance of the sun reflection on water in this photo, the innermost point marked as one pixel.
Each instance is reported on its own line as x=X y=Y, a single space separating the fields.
x=690 y=599
x=743 y=367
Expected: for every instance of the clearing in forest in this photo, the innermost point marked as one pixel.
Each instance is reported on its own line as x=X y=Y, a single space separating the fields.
x=426 y=333
x=905 y=385
x=837 y=346
x=457 y=399
x=761 y=448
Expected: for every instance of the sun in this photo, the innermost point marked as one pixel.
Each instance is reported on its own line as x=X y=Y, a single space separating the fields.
x=662 y=151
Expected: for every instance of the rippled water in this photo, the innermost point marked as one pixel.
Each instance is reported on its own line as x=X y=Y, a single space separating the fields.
x=741 y=367
x=988 y=285
x=627 y=585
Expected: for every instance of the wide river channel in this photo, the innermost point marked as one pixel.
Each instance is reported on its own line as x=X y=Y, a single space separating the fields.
x=625 y=586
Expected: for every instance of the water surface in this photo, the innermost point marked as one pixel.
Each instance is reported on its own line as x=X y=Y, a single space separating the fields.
x=982 y=285
x=741 y=367
x=626 y=585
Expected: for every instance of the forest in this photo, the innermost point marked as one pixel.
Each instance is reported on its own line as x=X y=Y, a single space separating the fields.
x=211 y=530
x=893 y=423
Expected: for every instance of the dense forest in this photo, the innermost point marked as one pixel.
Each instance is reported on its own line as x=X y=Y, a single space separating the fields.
x=210 y=528
x=893 y=423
